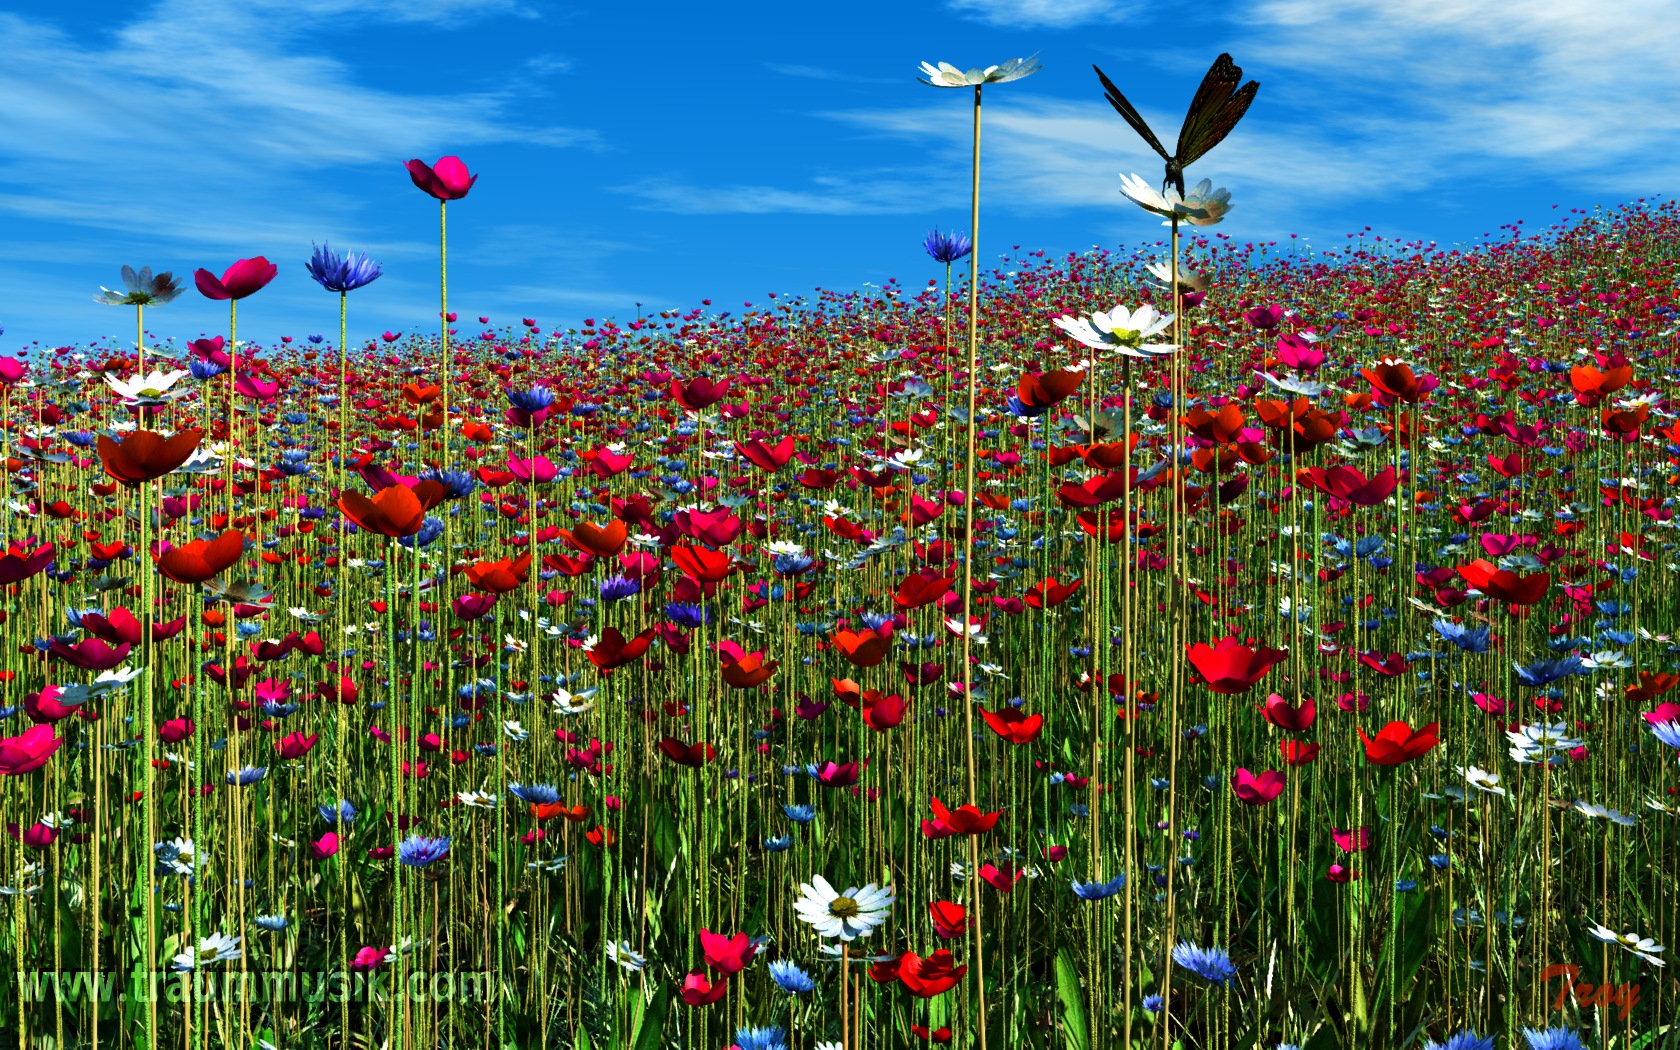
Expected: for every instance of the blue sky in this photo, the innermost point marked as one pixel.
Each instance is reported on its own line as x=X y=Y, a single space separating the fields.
x=665 y=153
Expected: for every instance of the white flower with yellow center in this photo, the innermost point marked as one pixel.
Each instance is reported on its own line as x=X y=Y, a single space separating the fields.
x=147 y=389
x=847 y=916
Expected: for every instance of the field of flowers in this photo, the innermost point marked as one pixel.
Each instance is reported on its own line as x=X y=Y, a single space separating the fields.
x=1205 y=646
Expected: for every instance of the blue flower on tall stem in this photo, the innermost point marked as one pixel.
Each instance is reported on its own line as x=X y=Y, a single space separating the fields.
x=417 y=851
x=947 y=247
x=341 y=273
x=1210 y=964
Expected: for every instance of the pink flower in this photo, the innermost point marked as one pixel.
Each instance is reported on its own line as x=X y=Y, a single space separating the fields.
x=325 y=846
x=243 y=278
x=1352 y=840
x=27 y=752
x=1257 y=789
x=11 y=370
x=447 y=180
x=367 y=959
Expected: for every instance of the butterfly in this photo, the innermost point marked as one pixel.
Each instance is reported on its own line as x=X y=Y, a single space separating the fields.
x=1218 y=105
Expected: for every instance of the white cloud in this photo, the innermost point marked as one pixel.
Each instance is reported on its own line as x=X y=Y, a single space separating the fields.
x=825 y=196
x=1051 y=14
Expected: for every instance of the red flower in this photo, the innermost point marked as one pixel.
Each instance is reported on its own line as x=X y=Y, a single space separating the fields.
x=143 y=455
x=698 y=989
x=1349 y=484
x=1297 y=753
x=296 y=745
x=201 y=560
x=1049 y=593
x=611 y=651
x=28 y=751
x=1012 y=725
x=699 y=393
x=923 y=588
x=1257 y=790
x=692 y=755
x=1231 y=667
x=1002 y=879
x=768 y=458
x=20 y=563
x=934 y=975
x=243 y=278
x=938 y=1035
x=397 y=510
x=499 y=577
x=1043 y=391
x=950 y=921
x=727 y=955
x=1505 y=585
x=1284 y=715
x=863 y=648
x=882 y=712
x=603 y=541
x=964 y=820
x=1398 y=743
x=700 y=564
x=447 y=180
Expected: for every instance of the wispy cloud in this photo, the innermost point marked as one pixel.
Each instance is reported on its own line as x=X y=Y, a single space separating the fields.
x=891 y=194
x=1052 y=14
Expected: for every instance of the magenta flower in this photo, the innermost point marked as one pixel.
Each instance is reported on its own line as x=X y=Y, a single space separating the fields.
x=537 y=471
x=325 y=846
x=447 y=180
x=1353 y=840
x=243 y=278
x=11 y=370
x=256 y=389
x=27 y=752
x=1257 y=789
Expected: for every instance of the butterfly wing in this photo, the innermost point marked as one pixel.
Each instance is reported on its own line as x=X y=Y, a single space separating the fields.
x=1215 y=110
x=1129 y=113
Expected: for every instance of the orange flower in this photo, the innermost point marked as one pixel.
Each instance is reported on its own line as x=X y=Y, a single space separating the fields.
x=200 y=560
x=144 y=455
x=395 y=511
x=500 y=577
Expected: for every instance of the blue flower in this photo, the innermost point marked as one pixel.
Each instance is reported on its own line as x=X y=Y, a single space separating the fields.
x=1405 y=885
x=1210 y=964
x=617 y=588
x=778 y=843
x=247 y=776
x=1463 y=1040
x=686 y=615
x=800 y=814
x=202 y=369
x=430 y=529
x=1097 y=891
x=533 y=400
x=790 y=978
x=1468 y=639
x=341 y=273
x=1551 y=1039
x=540 y=794
x=1667 y=732
x=1542 y=673
x=330 y=814
x=457 y=484
x=946 y=248
x=1154 y=1003
x=772 y=1038
x=417 y=851
x=271 y=922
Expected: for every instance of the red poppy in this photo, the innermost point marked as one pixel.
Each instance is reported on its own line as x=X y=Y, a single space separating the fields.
x=727 y=955
x=603 y=541
x=698 y=393
x=611 y=651
x=749 y=672
x=882 y=712
x=1231 y=667
x=1505 y=585
x=1284 y=715
x=1397 y=742
x=929 y=977
x=692 y=755
x=1394 y=378
x=20 y=563
x=698 y=989
x=863 y=648
x=1049 y=593
x=938 y=1035
x=243 y=278
x=1012 y=725
x=700 y=564
x=1044 y=391
x=1298 y=753
x=964 y=820
x=201 y=560
x=1349 y=484
x=950 y=921
x=923 y=588
x=500 y=577
x=447 y=180
x=768 y=458
x=144 y=455
x=396 y=510
x=1257 y=789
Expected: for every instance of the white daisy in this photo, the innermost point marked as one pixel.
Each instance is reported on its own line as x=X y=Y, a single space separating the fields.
x=848 y=915
x=1120 y=330
x=1482 y=780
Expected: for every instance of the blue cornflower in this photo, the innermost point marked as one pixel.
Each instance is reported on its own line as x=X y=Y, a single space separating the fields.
x=1542 y=673
x=617 y=588
x=1468 y=639
x=430 y=530
x=1405 y=885
x=778 y=843
x=772 y=1038
x=540 y=794
x=800 y=814
x=1551 y=1039
x=330 y=814
x=247 y=776
x=533 y=400
x=1154 y=1003
x=417 y=851
x=202 y=369
x=1464 y=1040
x=1667 y=732
x=946 y=248
x=686 y=615
x=1440 y=861
x=1097 y=891
x=1210 y=964
x=791 y=564
x=457 y=484
x=271 y=923
x=790 y=978
x=341 y=273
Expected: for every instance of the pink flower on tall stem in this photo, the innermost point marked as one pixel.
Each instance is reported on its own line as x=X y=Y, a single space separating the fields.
x=244 y=278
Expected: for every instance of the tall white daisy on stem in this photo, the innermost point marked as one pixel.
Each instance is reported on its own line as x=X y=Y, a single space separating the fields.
x=846 y=916
x=945 y=75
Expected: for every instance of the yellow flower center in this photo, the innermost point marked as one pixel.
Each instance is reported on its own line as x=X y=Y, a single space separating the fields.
x=843 y=908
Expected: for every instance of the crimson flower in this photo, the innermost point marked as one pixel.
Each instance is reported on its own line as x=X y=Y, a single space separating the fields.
x=727 y=955
x=447 y=180
x=1398 y=742
x=243 y=278
x=1284 y=715
x=929 y=977
x=964 y=820
x=1257 y=789
x=1012 y=725
x=28 y=751
x=1231 y=667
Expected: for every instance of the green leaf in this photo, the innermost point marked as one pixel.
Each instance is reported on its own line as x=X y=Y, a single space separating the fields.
x=1075 y=1029
x=651 y=1026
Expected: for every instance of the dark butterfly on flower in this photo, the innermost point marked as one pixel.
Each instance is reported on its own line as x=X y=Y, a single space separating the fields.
x=1218 y=105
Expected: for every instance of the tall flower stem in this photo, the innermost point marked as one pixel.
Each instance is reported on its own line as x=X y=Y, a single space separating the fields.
x=968 y=538
x=443 y=313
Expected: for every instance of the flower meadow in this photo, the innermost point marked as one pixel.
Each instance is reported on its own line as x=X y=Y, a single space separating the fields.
x=1204 y=645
